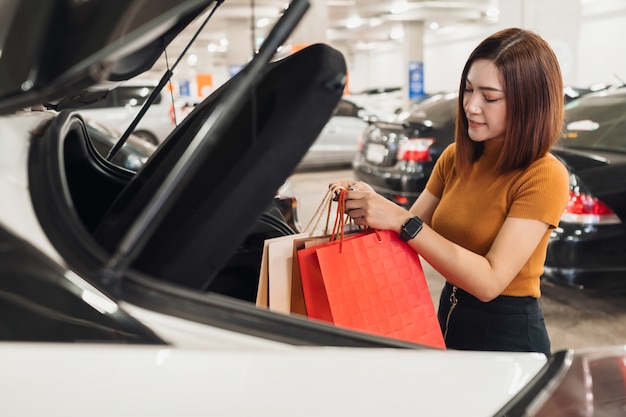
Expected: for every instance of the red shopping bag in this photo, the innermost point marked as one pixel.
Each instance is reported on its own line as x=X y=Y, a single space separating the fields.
x=372 y=282
x=310 y=276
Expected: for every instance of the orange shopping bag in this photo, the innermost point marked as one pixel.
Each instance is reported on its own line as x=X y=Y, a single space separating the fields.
x=372 y=282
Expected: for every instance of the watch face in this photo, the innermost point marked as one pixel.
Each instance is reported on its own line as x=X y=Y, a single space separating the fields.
x=413 y=226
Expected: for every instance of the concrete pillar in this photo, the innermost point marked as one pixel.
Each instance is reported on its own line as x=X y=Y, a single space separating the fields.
x=312 y=28
x=241 y=44
x=413 y=56
x=557 y=21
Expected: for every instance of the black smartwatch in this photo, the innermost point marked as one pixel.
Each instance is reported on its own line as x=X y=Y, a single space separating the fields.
x=411 y=228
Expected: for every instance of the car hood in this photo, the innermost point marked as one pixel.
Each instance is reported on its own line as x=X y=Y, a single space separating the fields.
x=54 y=49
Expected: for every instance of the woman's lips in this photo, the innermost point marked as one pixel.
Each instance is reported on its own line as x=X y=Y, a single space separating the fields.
x=474 y=124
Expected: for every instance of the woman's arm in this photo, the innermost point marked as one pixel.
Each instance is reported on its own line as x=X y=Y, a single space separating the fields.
x=483 y=276
x=487 y=276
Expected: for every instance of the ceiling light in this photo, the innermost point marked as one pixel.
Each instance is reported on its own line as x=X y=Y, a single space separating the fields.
x=362 y=46
x=375 y=21
x=353 y=22
x=433 y=26
x=398 y=7
x=192 y=59
x=339 y=3
x=493 y=12
x=396 y=33
x=261 y=23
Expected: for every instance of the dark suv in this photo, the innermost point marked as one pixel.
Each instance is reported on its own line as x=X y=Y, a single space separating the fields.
x=396 y=158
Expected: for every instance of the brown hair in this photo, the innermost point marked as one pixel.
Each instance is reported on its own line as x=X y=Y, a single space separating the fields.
x=533 y=87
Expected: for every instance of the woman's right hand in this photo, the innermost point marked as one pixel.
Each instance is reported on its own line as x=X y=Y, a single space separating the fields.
x=348 y=184
x=342 y=184
x=368 y=208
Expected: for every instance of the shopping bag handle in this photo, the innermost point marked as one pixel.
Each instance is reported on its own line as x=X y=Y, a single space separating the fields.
x=339 y=226
x=326 y=202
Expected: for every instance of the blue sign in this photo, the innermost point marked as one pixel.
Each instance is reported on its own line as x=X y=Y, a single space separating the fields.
x=416 y=80
x=233 y=69
x=183 y=89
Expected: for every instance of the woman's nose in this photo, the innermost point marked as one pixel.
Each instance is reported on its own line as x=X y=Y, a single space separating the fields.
x=472 y=107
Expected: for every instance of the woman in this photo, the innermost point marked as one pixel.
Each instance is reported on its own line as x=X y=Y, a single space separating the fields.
x=484 y=220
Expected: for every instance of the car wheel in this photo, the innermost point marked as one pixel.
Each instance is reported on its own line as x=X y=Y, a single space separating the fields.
x=147 y=136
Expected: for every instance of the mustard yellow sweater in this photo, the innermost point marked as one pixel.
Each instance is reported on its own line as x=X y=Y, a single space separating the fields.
x=473 y=207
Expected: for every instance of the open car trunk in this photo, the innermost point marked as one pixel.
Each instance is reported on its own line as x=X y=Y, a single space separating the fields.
x=183 y=236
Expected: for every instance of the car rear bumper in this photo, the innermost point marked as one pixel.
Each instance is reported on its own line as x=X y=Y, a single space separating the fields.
x=586 y=256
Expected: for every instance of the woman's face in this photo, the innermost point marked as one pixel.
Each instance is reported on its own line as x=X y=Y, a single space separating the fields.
x=484 y=102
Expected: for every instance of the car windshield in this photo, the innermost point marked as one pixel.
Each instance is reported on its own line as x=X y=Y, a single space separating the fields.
x=596 y=122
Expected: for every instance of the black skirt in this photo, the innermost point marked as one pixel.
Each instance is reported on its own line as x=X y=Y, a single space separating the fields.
x=509 y=324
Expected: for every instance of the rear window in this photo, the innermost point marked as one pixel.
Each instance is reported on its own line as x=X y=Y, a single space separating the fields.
x=596 y=122
x=438 y=109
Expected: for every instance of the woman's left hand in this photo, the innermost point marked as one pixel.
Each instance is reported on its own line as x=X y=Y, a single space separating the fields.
x=368 y=208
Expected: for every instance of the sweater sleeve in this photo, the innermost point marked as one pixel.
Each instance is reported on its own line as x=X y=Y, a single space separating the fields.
x=541 y=192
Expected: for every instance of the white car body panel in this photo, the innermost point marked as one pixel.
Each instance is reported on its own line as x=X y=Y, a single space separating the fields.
x=191 y=335
x=156 y=121
x=338 y=143
x=16 y=211
x=102 y=380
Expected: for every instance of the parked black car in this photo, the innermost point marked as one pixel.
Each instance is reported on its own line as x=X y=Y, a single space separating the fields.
x=397 y=158
x=588 y=249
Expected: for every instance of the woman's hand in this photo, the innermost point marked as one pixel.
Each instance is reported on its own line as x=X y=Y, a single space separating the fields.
x=368 y=208
x=342 y=184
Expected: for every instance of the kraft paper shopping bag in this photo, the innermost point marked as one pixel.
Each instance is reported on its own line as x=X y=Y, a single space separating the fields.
x=276 y=287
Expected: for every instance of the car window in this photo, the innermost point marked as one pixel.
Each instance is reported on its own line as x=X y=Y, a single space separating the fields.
x=596 y=123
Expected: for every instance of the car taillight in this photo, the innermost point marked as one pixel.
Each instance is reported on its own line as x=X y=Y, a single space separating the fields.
x=417 y=150
x=401 y=200
x=585 y=209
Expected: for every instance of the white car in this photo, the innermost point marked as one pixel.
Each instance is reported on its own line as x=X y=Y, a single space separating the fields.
x=120 y=105
x=338 y=143
x=386 y=102
x=128 y=293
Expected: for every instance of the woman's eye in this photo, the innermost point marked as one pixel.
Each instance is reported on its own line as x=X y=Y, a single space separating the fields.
x=469 y=90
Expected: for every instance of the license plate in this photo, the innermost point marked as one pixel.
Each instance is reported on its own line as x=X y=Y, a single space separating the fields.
x=375 y=153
